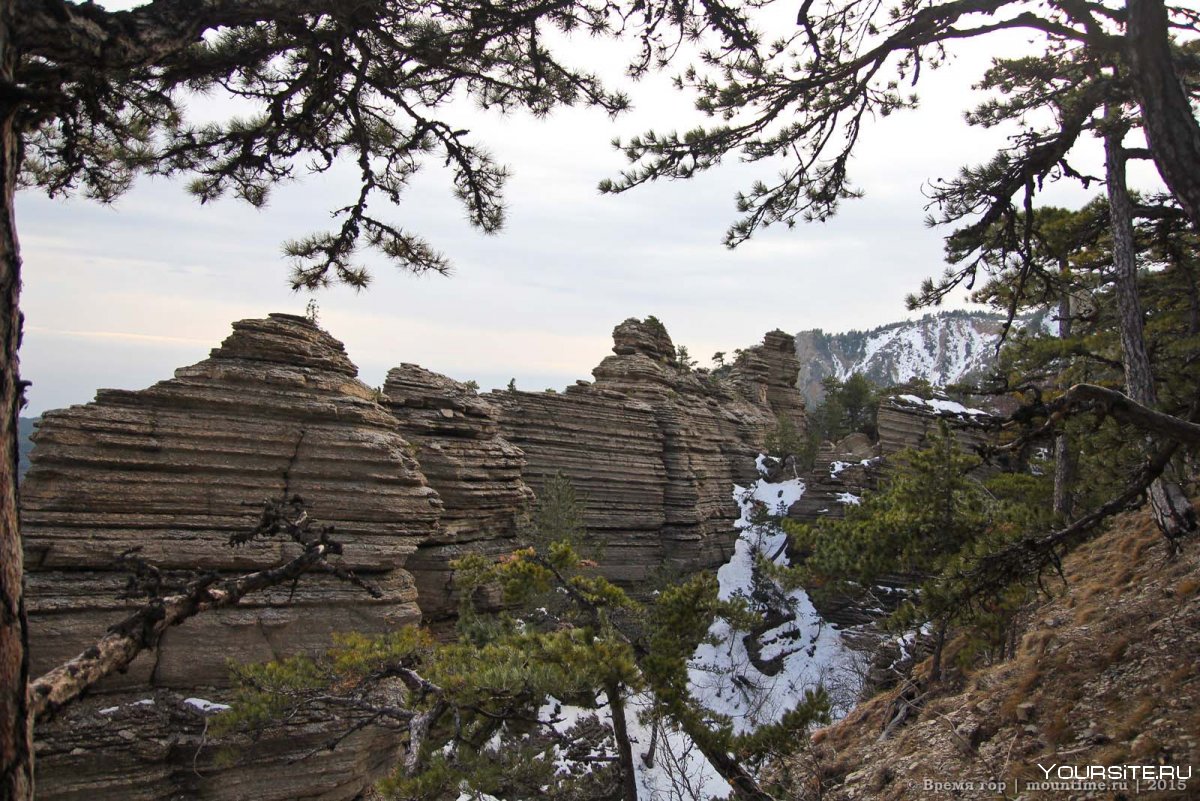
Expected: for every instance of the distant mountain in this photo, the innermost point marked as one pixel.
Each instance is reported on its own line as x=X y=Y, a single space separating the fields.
x=948 y=347
x=24 y=445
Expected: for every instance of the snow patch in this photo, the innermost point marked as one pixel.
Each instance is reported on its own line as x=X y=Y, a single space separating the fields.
x=942 y=406
x=109 y=710
x=676 y=760
x=205 y=706
x=836 y=468
x=803 y=651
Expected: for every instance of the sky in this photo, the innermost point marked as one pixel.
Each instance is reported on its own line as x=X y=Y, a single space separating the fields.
x=121 y=295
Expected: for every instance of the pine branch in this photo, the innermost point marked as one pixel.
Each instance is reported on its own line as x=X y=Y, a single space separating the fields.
x=1030 y=556
x=1111 y=403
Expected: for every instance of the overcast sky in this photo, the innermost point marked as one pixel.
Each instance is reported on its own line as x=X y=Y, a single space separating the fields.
x=120 y=296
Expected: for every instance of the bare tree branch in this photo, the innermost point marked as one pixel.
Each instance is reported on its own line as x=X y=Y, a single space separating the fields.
x=144 y=628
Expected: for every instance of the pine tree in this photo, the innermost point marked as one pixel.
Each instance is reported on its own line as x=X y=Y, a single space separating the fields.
x=928 y=523
x=847 y=407
x=481 y=713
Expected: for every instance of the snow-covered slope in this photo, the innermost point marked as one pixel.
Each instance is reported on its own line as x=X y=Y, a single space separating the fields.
x=799 y=653
x=944 y=348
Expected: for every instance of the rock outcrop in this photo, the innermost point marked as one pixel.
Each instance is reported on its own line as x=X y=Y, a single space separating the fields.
x=158 y=746
x=653 y=447
x=905 y=421
x=839 y=476
x=477 y=473
x=175 y=469
x=412 y=476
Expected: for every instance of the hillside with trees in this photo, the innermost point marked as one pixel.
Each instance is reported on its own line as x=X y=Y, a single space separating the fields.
x=944 y=348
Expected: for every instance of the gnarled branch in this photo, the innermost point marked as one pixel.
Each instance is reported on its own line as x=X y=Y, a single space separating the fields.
x=144 y=628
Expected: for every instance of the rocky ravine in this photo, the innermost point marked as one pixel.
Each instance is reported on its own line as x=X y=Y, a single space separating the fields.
x=412 y=476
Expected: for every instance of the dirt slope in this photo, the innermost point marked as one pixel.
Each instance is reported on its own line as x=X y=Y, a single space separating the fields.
x=1106 y=674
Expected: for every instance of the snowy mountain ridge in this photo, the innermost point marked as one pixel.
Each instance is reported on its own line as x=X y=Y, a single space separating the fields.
x=944 y=348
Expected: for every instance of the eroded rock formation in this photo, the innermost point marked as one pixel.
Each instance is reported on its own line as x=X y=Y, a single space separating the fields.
x=173 y=470
x=654 y=447
x=477 y=473
x=412 y=476
x=275 y=410
x=905 y=421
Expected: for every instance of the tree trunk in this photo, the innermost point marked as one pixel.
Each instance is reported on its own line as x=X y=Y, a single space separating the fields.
x=1171 y=127
x=1064 y=457
x=1170 y=506
x=939 y=644
x=616 y=704
x=731 y=769
x=1064 y=476
x=16 y=724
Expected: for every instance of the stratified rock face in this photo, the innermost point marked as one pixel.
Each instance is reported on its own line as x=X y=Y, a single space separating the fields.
x=838 y=478
x=905 y=421
x=778 y=351
x=653 y=448
x=174 y=470
x=155 y=746
x=411 y=477
x=476 y=472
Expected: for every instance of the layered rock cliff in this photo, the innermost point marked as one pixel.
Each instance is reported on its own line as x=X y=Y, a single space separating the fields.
x=173 y=470
x=477 y=473
x=905 y=421
x=654 y=448
x=412 y=476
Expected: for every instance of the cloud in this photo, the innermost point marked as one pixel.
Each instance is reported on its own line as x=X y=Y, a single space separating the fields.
x=120 y=296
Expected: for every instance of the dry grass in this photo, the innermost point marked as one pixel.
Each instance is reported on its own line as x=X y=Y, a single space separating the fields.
x=1087 y=614
x=1022 y=692
x=1133 y=722
x=1176 y=677
x=1144 y=747
x=1188 y=587
x=1057 y=729
x=1114 y=754
x=1114 y=653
